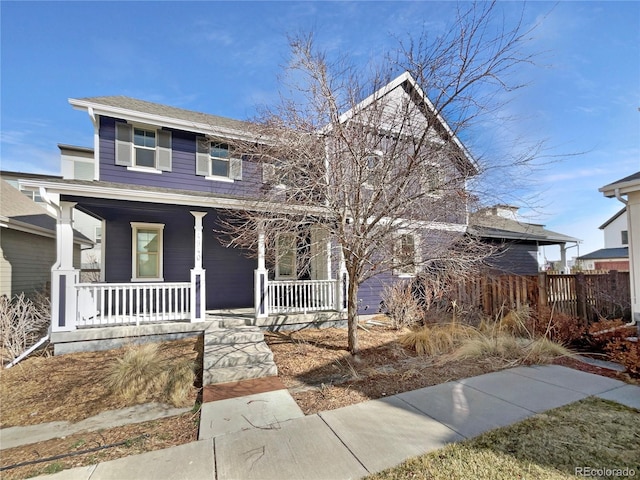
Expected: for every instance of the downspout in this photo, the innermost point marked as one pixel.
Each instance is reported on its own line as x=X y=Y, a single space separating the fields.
x=625 y=202
x=28 y=351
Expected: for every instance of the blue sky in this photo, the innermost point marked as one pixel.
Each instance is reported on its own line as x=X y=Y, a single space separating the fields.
x=224 y=58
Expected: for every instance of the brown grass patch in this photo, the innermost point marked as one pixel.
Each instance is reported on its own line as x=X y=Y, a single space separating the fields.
x=71 y=387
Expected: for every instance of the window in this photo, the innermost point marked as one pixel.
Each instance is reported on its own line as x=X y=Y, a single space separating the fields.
x=434 y=179
x=220 y=159
x=214 y=161
x=624 y=234
x=374 y=174
x=286 y=256
x=32 y=193
x=98 y=234
x=406 y=255
x=146 y=258
x=143 y=148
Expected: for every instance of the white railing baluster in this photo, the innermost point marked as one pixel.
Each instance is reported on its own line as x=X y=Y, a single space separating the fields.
x=132 y=303
x=286 y=296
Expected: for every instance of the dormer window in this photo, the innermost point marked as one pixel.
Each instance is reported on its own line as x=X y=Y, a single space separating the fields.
x=215 y=161
x=143 y=149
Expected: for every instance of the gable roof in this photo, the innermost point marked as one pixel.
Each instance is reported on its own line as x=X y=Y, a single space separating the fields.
x=161 y=115
x=498 y=227
x=18 y=212
x=410 y=88
x=612 y=219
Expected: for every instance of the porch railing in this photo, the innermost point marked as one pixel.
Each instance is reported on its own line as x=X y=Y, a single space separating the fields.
x=301 y=296
x=132 y=303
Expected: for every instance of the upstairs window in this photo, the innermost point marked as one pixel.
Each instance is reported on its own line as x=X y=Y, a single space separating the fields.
x=406 y=255
x=433 y=179
x=220 y=159
x=141 y=148
x=144 y=148
x=215 y=161
x=373 y=174
x=624 y=237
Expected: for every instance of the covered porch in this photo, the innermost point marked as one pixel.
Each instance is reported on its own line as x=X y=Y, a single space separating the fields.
x=277 y=302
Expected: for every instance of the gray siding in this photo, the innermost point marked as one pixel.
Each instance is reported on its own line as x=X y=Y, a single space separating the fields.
x=26 y=260
x=515 y=258
x=183 y=173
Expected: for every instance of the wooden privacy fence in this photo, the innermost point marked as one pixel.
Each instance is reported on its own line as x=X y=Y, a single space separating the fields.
x=581 y=295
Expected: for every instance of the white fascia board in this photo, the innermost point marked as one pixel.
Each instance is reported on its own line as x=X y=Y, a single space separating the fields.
x=116 y=193
x=623 y=188
x=406 y=77
x=159 y=120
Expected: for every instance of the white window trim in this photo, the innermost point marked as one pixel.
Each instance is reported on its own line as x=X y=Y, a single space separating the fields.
x=217 y=178
x=220 y=178
x=144 y=169
x=134 y=230
x=294 y=275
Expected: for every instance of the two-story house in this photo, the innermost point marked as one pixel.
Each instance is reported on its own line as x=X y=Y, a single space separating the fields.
x=615 y=254
x=162 y=185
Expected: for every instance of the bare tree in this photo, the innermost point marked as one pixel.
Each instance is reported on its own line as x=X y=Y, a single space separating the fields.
x=372 y=161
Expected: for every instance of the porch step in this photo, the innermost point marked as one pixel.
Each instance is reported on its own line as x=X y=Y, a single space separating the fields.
x=228 y=355
x=241 y=372
x=234 y=354
x=233 y=335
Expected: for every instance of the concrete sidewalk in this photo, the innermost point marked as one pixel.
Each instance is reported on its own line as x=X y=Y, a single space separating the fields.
x=353 y=441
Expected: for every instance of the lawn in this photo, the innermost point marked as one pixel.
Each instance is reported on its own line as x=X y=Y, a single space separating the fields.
x=592 y=438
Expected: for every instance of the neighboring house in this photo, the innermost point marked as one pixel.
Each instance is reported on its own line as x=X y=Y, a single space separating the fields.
x=78 y=163
x=517 y=243
x=163 y=179
x=27 y=240
x=629 y=187
x=615 y=254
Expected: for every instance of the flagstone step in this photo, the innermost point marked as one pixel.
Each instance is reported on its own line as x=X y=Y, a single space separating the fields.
x=234 y=354
x=215 y=375
x=231 y=355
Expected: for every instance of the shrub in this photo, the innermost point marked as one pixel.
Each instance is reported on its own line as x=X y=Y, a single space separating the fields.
x=437 y=338
x=401 y=305
x=23 y=321
x=508 y=347
x=626 y=353
x=142 y=374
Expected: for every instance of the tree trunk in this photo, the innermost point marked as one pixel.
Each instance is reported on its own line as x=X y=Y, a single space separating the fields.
x=352 y=316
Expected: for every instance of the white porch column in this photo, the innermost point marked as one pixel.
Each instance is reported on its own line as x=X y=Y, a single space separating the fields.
x=198 y=274
x=63 y=276
x=261 y=280
x=341 y=284
x=563 y=259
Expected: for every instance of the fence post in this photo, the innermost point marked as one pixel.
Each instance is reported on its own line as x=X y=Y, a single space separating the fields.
x=543 y=298
x=581 y=297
